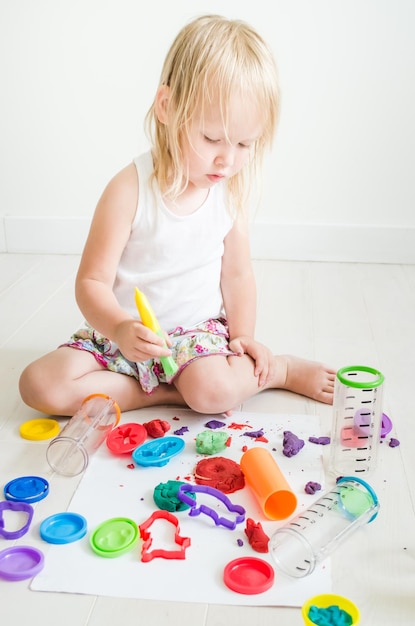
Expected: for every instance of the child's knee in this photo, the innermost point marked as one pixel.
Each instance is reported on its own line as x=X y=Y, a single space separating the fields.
x=210 y=396
x=32 y=386
x=26 y=384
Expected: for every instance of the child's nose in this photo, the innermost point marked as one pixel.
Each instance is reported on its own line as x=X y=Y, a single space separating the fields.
x=226 y=156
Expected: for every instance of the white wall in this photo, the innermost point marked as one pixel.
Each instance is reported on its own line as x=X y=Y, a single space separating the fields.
x=77 y=77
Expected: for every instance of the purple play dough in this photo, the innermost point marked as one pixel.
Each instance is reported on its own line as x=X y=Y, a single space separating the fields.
x=323 y=441
x=214 y=424
x=291 y=444
x=181 y=431
x=255 y=433
x=312 y=487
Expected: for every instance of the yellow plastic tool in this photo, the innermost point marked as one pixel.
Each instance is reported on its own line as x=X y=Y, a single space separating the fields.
x=149 y=319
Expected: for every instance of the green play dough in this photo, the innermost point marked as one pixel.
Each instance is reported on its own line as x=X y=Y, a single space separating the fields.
x=165 y=496
x=208 y=442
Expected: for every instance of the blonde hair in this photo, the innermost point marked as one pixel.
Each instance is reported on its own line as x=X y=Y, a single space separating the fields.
x=211 y=57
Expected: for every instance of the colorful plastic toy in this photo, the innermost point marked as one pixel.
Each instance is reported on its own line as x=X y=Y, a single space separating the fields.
x=149 y=319
x=123 y=439
x=195 y=509
x=26 y=489
x=183 y=542
x=15 y=506
x=158 y=452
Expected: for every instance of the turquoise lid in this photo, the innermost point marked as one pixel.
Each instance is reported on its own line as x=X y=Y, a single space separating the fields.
x=63 y=528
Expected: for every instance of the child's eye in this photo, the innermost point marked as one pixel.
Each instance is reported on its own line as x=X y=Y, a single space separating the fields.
x=210 y=140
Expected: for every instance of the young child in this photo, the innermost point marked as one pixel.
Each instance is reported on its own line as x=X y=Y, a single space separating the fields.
x=174 y=224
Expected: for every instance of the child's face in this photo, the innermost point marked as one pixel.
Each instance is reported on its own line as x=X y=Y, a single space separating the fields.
x=215 y=152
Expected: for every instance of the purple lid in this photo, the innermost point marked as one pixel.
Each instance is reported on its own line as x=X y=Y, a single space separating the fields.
x=20 y=562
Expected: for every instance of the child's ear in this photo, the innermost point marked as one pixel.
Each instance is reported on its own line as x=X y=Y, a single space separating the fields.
x=161 y=103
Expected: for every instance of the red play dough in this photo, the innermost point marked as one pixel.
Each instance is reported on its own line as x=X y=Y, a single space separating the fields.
x=257 y=538
x=220 y=473
x=156 y=428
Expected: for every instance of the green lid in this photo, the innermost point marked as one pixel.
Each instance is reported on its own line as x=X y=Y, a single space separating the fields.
x=374 y=380
x=114 y=537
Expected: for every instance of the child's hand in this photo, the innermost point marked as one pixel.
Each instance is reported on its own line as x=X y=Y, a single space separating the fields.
x=263 y=358
x=138 y=343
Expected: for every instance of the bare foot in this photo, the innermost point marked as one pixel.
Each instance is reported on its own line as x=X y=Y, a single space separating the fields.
x=307 y=378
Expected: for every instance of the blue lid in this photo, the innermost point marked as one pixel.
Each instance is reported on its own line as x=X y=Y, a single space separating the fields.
x=63 y=528
x=158 y=452
x=26 y=489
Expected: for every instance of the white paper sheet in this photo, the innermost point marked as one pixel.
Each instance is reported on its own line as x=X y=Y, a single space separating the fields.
x=109 y=488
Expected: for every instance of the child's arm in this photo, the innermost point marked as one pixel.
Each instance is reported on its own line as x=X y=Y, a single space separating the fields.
x=109 y=233
x=239 y=297
x=238 y=283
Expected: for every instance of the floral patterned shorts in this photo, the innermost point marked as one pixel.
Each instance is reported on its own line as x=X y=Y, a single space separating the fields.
x=205 y=339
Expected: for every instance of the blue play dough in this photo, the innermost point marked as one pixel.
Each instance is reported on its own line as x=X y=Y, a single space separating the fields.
x=331 y=616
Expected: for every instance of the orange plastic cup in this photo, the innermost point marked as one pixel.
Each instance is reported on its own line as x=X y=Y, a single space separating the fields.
x=268 y=483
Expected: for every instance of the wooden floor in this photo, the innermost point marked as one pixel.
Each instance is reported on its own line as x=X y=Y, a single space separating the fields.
x=342 y=314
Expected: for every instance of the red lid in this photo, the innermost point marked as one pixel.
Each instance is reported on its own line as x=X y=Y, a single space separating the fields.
x=126 y=438
x=249 y=575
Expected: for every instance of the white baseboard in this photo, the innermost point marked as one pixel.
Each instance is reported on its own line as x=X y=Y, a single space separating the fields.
x=45 y=235
x=333 y=242
x=269 y=240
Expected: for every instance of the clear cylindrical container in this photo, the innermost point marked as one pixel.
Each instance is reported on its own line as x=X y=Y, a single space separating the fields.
x=69 y=452
x=357 y=421
x=311 y=536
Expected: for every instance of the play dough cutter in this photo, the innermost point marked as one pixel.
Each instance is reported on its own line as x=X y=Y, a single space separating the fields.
x=196 y=509
x=17 y=507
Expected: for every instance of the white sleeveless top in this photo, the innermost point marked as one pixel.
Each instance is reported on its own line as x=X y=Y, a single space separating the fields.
x=176 y=261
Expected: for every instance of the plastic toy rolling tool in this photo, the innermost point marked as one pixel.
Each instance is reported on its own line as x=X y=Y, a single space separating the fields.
x=272 y=491
x=149 y=319
x=357 y=421
x=69 y=453
x=313 y=534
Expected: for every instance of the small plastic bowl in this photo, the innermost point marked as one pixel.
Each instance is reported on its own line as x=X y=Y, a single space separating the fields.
x=324 y=600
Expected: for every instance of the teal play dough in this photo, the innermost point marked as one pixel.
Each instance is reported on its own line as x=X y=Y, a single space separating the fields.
x=208 y=442
x=330 y=616
x=165 y=496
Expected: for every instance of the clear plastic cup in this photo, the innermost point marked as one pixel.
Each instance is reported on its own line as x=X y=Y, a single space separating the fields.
x=68 y=454
x=311 y=536
x=357 y=421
